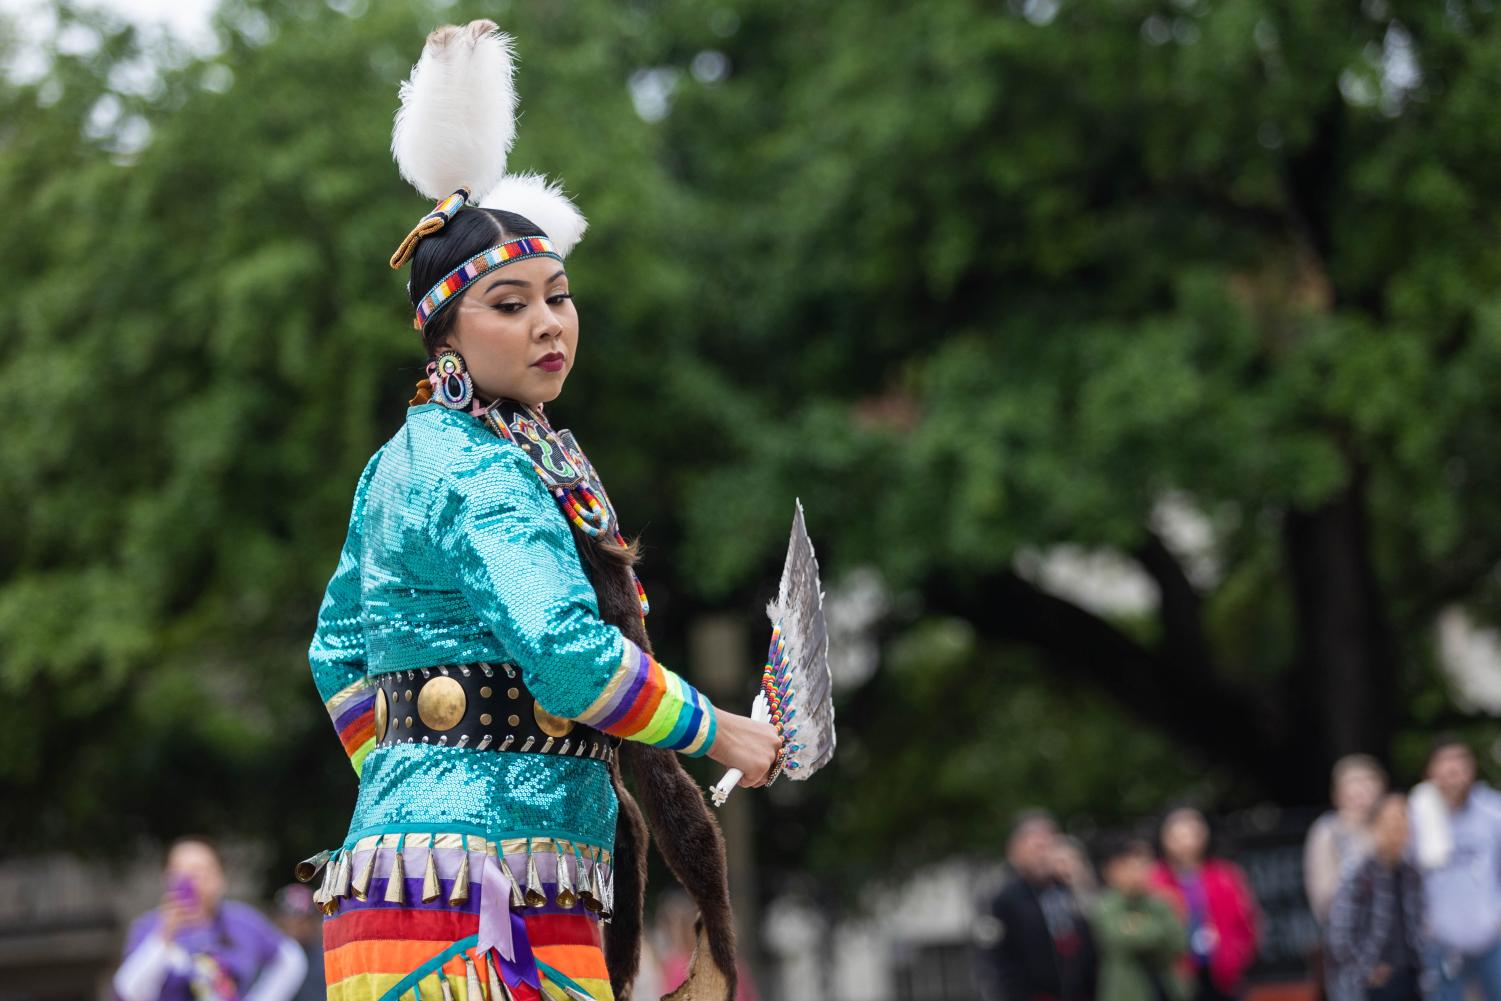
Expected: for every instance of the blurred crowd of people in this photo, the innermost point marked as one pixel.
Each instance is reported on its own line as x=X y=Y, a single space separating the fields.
x=198 y=945
x=1174 y=925
x=1405 y=888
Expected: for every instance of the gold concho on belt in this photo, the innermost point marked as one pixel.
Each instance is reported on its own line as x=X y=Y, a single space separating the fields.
x=441 y=703
x=553 y=726
x=382 y=713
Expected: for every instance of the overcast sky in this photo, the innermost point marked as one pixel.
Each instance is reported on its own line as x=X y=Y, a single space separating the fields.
x=185 y=18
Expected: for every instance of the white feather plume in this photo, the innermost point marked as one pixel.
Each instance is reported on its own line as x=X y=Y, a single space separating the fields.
x=457 y=118
x=543 y=202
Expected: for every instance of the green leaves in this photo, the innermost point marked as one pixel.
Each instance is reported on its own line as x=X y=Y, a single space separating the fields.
x=969 y=284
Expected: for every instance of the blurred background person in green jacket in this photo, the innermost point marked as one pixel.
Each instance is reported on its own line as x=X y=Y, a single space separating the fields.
x=1139 y=937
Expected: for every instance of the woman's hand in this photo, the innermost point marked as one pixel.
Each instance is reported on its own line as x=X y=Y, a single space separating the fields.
x=746 y=744
x=175 y=913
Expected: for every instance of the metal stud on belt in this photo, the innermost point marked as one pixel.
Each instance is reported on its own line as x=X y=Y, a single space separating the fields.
x=467 y=706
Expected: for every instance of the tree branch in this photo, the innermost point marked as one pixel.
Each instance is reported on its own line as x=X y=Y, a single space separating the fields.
x=1184 y=646
x=1180 y=698
x=1455 y=578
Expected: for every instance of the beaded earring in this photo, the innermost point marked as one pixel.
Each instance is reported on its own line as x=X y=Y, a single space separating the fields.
x=452 y=385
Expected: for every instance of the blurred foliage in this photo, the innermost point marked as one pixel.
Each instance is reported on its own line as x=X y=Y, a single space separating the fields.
x=951 y=741
x=971 y=279
x=1070 y=247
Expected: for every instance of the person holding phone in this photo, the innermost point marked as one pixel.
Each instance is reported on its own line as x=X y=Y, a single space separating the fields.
x=1215 y=903
x=198 y=946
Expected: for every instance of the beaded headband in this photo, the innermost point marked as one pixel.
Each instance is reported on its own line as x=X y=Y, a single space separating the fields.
x=476 y=267
x=480 y=264
x=444 y=141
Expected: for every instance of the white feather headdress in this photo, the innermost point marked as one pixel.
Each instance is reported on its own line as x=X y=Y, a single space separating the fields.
x=457 y=122
x=543 y=202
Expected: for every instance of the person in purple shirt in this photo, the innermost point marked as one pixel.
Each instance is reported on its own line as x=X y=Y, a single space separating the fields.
x=197 y=946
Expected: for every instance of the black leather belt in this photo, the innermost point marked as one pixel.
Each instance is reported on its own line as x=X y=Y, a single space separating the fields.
x=483 y=706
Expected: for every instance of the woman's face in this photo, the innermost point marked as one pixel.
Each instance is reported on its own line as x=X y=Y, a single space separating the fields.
x=196 y=865
x=1357 y=791
x=518 y=331
x=1184 y=837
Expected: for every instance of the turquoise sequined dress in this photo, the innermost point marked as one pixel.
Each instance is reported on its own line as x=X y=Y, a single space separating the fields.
x=457 y=554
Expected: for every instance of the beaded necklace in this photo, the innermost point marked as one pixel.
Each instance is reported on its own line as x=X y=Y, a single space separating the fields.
x=566 y=472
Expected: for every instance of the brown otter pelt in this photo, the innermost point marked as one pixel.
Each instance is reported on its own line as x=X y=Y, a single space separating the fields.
x=686 y=833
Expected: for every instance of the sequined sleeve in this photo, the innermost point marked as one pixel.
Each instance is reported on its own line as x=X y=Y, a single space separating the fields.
x=337 y=654
x=503 y=535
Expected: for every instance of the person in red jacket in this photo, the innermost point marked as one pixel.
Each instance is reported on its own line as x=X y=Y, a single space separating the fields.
x=1215 y=903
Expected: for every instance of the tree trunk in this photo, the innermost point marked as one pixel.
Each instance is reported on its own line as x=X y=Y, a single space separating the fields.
x=1342 y=685
x=1184 y=698
x=1336 y=698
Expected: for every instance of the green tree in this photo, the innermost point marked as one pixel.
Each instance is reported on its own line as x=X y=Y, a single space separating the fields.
x=209 y=345
x=974 y=281
x=1033 y=272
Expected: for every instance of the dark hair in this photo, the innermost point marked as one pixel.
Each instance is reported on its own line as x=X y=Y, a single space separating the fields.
x=1126 y=847
x=470 y=232
x=1027 y=819
x=1444 y=743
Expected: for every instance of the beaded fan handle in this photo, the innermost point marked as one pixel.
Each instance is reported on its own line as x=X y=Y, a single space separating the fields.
x=776 y=685
x=773 y=705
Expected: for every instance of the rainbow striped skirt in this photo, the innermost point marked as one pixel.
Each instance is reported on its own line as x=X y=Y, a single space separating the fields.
x=456 y=917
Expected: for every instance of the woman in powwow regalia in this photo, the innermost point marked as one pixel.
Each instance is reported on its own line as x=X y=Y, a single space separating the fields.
x=481 y=647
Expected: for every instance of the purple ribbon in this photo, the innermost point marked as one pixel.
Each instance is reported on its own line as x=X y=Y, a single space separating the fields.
x=524 y=970
x=495 y=910
x=502 y=930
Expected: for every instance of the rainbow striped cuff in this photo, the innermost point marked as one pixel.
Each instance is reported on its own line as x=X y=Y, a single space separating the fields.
x=353 y=711
x=644 y=701
x=455 y=281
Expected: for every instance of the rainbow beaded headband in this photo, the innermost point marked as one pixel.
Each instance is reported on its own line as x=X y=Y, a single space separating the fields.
x=478 y=266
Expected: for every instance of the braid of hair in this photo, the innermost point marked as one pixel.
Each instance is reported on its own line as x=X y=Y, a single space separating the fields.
x=671 y=813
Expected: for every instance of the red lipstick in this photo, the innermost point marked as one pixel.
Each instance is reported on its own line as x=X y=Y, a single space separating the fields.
x=550 y=362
